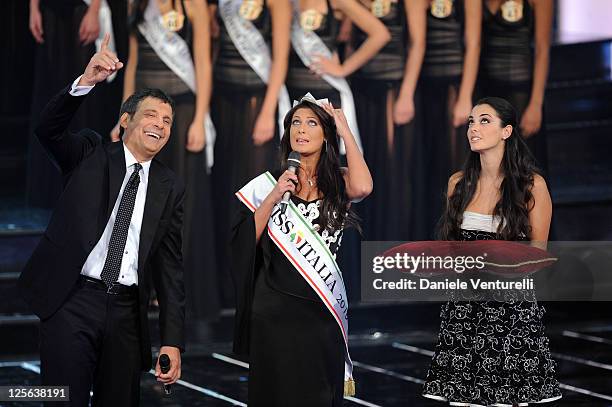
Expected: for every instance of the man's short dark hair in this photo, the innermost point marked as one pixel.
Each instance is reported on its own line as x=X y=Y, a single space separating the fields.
x=131 y=104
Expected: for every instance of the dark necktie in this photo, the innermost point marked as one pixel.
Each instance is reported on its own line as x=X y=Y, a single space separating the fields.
x=112 y=264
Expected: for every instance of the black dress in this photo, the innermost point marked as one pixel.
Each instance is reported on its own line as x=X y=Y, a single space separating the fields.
x=299 y=78
x=491 y=352
x=59 y=61
x=198 y=232
x=506 y=66
x=389 y=152
x=238 y=95
x=441 y=148
x=295 y=347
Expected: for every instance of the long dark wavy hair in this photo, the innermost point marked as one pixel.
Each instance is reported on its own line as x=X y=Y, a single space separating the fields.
x=518 y=168
x=335 y=211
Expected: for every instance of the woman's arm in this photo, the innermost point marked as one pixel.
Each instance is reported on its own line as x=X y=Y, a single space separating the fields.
x=541 y=213
x=286 y=182
x=471 y=56
x=265 y=124
x=452 y=183
x=377 y=33
x=36 y=24
x=531 y=120
x=198 y=13
x=90 y=25
x=416 y=14
x=262 y=215
x=357 y=177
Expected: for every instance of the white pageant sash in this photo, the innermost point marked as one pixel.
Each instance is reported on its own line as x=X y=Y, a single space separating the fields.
x=307 y=45
x=253 y=49
x=106 y=26
x=175 y=53
x=307 y=252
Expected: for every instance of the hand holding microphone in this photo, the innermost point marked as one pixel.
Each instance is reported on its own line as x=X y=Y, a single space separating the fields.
x=293 y=163
x=164 y=366
x=168 y=367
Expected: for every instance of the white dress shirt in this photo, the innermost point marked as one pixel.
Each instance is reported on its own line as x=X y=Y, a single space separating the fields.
x=79 y=90
x=128 y=273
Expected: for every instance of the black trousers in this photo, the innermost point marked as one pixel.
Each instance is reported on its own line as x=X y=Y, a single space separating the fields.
x=93 y=342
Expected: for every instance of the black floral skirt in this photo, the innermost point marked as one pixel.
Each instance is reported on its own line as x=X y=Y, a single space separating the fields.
x=492 y=354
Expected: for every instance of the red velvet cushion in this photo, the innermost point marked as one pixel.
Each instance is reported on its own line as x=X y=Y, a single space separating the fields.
x=498 y=256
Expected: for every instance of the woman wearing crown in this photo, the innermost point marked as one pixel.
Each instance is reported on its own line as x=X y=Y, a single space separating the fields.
x=292 y=310
x=248 y=103
x=314 y=64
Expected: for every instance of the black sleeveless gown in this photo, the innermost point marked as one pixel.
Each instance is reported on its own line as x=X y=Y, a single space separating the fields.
x=389 y=152
x=198 y=237
x=294 y=345
x=442 y=147
x=237 y=98
x=506 y=67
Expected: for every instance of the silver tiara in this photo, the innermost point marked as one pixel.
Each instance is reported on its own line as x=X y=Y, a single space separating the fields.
x=309 y=98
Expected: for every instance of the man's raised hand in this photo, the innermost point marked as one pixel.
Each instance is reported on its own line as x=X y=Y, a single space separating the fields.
x=103 y=64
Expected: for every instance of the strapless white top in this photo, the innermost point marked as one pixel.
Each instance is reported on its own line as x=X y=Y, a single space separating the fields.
x=478 y=221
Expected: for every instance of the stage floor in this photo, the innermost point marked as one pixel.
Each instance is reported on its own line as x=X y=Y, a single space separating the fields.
x=390 y=362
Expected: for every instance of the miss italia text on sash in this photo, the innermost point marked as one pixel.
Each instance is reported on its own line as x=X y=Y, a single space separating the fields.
x=307 y=252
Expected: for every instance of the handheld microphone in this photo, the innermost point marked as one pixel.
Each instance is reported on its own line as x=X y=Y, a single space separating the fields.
x=293 y=163
x=164 y=366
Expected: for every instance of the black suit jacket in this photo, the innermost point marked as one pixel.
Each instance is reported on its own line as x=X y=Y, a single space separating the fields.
x=93 y=173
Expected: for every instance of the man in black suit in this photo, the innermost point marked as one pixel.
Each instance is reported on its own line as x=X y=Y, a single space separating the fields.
x=115 y=230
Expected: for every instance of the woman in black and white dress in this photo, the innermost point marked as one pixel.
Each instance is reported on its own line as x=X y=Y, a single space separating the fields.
x=494 y=353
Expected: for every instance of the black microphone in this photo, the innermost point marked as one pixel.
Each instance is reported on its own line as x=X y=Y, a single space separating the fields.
x=164 y=366
x=293 y=163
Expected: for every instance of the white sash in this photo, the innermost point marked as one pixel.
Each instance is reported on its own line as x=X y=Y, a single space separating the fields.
x=106 y=26
x=175 y=53
x=305 y=249
x=253 y=49
x=307 y=44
